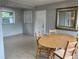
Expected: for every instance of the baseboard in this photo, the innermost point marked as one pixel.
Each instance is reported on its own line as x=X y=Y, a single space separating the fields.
x=13 y=35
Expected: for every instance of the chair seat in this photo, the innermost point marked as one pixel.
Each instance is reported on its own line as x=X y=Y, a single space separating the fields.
x=68 y=57
x=70 y=50
x=61 y=52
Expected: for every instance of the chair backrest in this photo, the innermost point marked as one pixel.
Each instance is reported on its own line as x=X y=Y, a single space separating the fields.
x=65 y=49
x=72 y=44
x=64 y=46
x=75 y=49
x=77 y=37
x=37 y=36
x=72 y=47
x=53 y=31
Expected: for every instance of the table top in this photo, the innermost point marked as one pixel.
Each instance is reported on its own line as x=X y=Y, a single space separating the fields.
x=55 y=40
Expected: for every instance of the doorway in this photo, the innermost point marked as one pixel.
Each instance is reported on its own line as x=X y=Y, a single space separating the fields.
x=40 y=21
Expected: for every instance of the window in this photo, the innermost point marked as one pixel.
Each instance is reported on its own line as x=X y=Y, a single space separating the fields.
x=8 y=17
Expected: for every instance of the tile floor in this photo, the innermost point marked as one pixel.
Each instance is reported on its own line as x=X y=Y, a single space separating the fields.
x=20 y=47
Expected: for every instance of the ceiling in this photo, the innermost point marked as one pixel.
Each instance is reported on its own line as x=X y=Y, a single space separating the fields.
x=35 y=2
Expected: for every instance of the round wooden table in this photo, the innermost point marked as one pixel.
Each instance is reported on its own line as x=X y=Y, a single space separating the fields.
x=55 y=40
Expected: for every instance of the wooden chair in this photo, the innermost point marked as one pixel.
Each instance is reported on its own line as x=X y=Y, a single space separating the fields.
x=61 y=53
x=41 y=48
x=72 y=48
x=53 y=31
x=66 y=53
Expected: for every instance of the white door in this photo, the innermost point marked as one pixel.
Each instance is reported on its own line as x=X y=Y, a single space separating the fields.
x=40 y=21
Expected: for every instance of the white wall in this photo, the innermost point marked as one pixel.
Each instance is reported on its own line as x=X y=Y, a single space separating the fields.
x=1 y=42
x=14 y=29
x=51 y=13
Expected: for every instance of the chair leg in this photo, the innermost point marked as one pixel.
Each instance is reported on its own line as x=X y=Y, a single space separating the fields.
x=50 y=56
x=53 y=56
x=37 y=53
x=50 y=53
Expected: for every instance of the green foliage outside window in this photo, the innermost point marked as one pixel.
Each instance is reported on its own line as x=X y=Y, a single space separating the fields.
x=7 y=17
